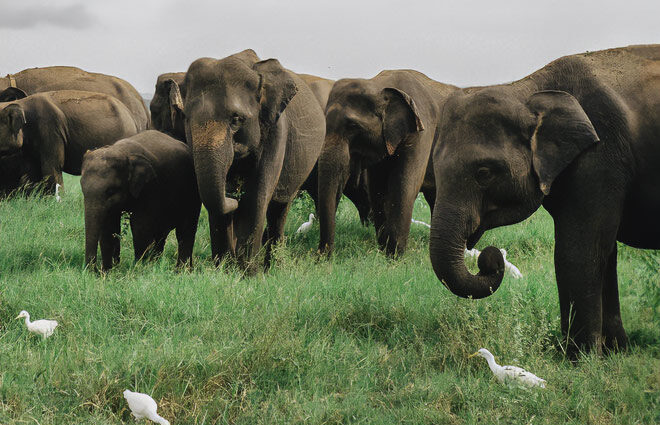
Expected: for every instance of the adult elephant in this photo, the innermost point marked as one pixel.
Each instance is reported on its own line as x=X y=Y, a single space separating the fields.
x=52 y=78
x=255 y=128
x=581 y=137
x=385 y=125
x=356 y=190
x=54 y=129
x=167 y=105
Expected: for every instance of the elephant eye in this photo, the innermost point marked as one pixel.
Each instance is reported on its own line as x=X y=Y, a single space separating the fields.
x=237 y=120
x=484 y=175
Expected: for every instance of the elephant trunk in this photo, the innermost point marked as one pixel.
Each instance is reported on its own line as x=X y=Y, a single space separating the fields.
x=93 y=226
x=213 y=153
x=334 y=165
x=450 y=228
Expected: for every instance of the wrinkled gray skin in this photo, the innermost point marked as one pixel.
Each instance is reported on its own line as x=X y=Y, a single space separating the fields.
x=52 y=78
x=256 y=128
x=151 y=176
x=385 y=125
x=581 y=137
x=54 y=129
x=167 y=105
x=357 y=190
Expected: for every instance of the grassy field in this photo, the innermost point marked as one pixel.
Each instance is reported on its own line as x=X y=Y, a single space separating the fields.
x=356 y=339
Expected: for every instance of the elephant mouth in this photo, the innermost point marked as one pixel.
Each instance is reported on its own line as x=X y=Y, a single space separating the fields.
x=474 y=237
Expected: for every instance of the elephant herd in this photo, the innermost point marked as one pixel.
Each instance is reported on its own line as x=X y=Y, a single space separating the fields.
x=242 y=136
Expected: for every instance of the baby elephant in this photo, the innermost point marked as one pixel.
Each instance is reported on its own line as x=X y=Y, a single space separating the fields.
x=151 y=176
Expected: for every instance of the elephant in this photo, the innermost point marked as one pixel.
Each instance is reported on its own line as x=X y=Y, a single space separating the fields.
x=167 y=103
x=385 y=125
x=255 y=128
x=52 y=78
x=151 y=176
x=581 y=137
x=17 y=172
x=357 y=192
x=54 y=129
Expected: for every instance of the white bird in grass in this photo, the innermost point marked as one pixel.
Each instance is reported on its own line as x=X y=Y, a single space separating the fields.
x=57 y=192
x=304 y=228
x=508 y=267
x=143 y=406
x=412 y=220
x=42 y=327
x=512 y=374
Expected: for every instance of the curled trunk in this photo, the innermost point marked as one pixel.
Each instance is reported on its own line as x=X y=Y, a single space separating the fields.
x=450 y=229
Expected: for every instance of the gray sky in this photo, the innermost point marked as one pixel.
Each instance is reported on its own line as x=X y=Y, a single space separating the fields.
x=459 y=42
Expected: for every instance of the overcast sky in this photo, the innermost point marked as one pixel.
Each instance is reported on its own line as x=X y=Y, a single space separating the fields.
x=459 y=42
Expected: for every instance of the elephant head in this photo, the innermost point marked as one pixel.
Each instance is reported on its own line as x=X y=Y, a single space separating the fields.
x=167 y=105
x=110 y=180
x=365 y=123
x=496 y=159
x=231 y=106
x=12 y=124
x=12 y=93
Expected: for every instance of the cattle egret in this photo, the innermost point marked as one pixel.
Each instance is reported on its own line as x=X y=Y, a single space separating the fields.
x=57 y=192
x=304 y=228
x=143 y=406
x=412 y=220
x=508 y=267
x=510 y=373
x=42 y=327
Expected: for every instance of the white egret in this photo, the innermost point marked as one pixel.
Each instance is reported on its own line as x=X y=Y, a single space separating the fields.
x=513 y=374
x=57 y=192
x=304 y=228
x=508 y=267
x=42 y=327
x=143 y=406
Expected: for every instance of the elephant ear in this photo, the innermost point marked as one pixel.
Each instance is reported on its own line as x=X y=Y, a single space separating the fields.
x=563 y=130
x=140 y=172
x=400 y=118
x=15 y=116
x=276 y=89
x=175 y=100
x=12 y=93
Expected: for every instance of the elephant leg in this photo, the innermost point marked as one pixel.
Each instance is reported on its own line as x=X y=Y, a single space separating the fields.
x=359 y=196
x=377 y=190
x=222 y=236
x=51 y=162
x=110 y=242
x=276 y=219
x=185 y=236
x=582 y=252
x=145 y=236
x=429 y=195
x=613 y=333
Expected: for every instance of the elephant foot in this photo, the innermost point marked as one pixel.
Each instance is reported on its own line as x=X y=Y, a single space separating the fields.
x=615 y=340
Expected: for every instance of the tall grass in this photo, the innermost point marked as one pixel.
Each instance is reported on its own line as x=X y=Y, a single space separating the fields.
x=355 y=339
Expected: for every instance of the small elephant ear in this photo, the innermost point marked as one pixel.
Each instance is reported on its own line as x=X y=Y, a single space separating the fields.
x=276 y=89
x=140 y=172
x=563 y=130
x=175 y=100
x=400 y=118
x=16 y=117
x=12 y=93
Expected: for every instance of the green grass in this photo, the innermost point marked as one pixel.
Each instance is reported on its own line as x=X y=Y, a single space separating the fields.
x=356 y=339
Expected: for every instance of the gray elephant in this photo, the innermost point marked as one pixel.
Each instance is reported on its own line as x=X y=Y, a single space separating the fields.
x=167 y=105
x=52 y=78
x=151 y=176
x=357 y=190
x=255 y=128
x=581 y=137
x=54 y=129
x=385 y=125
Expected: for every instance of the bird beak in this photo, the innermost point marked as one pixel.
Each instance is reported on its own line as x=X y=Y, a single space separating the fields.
x=473 y=354
x=17 y=317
